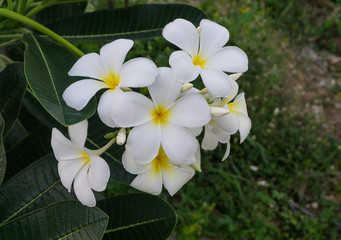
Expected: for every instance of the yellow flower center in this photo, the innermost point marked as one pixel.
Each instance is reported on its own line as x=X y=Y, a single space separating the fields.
x=199 y=61
x=86 y=158
x=160 y=115
x=160 y=162
x=112 y=80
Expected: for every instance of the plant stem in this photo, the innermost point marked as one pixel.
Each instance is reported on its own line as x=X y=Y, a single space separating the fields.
x=38 y=8
x=7 y=43
x=7 y=59
x=27 y=21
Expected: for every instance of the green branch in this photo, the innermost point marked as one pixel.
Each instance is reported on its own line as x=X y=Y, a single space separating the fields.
x=29 y=22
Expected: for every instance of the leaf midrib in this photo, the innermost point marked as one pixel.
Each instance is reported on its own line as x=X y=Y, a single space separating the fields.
x=51 y=78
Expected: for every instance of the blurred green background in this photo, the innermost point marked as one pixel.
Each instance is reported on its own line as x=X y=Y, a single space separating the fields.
x=284 y=181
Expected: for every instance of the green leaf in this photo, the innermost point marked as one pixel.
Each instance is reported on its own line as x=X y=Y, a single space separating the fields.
x=31 y=148
x=2 y=150
x=46 y=68
x=35 y=187
x=60 y=11
x=12 y=89
x=15 y=135
x=65 y=220
x=136 y=22
x=138 y=216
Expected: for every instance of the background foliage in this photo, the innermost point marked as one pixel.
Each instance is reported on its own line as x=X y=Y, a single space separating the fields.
x=293 y=95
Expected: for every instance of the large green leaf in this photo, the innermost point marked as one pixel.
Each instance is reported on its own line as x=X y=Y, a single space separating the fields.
x=31 y=148
x=136 y=22
x=12 y=89
x=138 y=216
x=2 y=151
x=15 y=135
x=60 y=11
x=65 y=220
x=46 y=68
x=35 y=187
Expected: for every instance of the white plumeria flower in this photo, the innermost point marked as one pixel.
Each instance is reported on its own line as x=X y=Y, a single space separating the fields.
x=220 y=128
x=203 y=53
x=160 y=171
x=110 y=73
x=79 y=165
x=161 y=121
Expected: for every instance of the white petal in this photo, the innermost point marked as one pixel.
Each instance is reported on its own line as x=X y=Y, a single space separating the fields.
x=229 y=59
x=234 y=92
x=78 y=133
x=183 y=34
x=78 y=94
x=89 y=65
x=175 y=177
x=105 y=106
x=82 y=187
x=132 y=109
x=227 y=152
x=222 y=136
x=228 y=123
x=149 y=181
x=190 y=111
x=238 y=105
x=183 y=68
x=68 y=170
x=143 y=142
x=178 y=143
x=99 y=173
x=131 y=165
x=195 y=131
x=138 y=72
x=210 y=140
x=244 y=126
x=217 y=82
x=196 y=158
x=63 y=148
x=212 y=37
x=165 y=89
x=113 y=54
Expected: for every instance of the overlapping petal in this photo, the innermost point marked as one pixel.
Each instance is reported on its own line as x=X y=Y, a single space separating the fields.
x=143 y=142
x=131 y=165
x=78 y=94
x=229 y=59
x=99 y=173
x=228 y=123
x=178 y=143
x=239 y=104
x=68 y=170
x=190 y=111
x=212 y=37
x=105 y=106
x=174 y=177
x=138 y=72
x=149 y=181
x=112 y=55
x=165 y=89
x=183 y=34
x=183 y=68
x=132 y=109
x=244 y=126
x=217 y=83
x=82 y=187
x=210 y=140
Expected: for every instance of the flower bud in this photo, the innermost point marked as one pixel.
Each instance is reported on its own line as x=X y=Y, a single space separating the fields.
x=196 y=167
x=186 y=86
x=218 y=111
x=121 y=136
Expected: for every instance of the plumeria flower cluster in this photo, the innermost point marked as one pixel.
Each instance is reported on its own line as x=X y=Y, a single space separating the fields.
x=162 y=147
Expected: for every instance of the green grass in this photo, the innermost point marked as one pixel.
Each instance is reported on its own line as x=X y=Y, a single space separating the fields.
x=300 y=165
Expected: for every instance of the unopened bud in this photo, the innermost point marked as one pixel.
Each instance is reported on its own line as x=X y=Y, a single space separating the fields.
x=218 y=111
x=203 y=91
x=235 y=76
x=199 y=29
x=186 y=86
x=110 y=135
x=196 y=167
x=121 y=136
x=126 y=89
